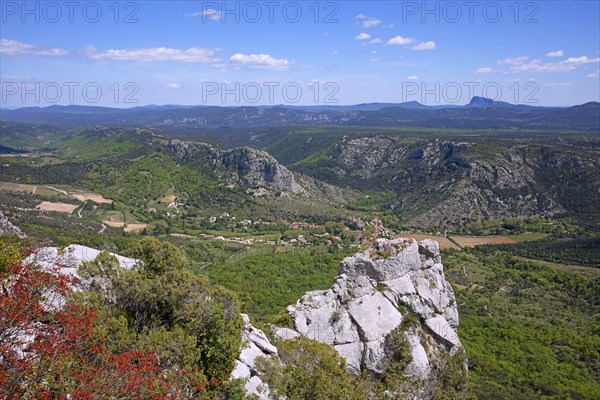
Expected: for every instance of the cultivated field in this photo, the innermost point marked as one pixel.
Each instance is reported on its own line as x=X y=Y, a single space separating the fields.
x=472 y=241
x=58 y=207
x=445 y=243
x=135 y=227
x=463 y=241
x=18 y=187
x=96 y=198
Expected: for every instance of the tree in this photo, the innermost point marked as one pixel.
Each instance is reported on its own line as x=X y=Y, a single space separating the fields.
x=310 y=370
x=162 y=306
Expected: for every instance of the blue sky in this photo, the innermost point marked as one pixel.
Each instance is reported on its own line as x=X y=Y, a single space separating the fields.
x=305 y=52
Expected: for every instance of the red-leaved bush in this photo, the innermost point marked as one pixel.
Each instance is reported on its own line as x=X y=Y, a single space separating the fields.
x=50 y=352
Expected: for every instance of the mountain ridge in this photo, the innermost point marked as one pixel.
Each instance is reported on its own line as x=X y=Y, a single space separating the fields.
x=480 y=114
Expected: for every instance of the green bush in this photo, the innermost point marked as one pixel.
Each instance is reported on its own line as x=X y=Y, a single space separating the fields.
x=310 y=370
x=162 y=306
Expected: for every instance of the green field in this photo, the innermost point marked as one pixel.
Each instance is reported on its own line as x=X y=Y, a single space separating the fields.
x=527 y=237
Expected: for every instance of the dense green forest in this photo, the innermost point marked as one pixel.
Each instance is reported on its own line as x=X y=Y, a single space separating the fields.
x=530 y=330
x=266 y=284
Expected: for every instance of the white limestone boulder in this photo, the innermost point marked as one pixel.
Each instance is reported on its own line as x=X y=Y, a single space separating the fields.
x=374 y=291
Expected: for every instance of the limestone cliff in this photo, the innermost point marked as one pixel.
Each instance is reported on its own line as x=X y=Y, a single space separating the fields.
x=373 y=293
x=243 y=165
x=258 y=168
x=255 y=344
x=70 y=258
x=7 y=228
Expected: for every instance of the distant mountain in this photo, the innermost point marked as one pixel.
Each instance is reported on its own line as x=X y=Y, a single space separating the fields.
x=70 y=109
x=358 y=107
x=166 y=107
x=480 y=113
x=486 y=102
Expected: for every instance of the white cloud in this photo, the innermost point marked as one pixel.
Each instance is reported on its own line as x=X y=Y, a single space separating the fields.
x=400 y=41
x=371 y=22
x=214 y=15
x=412 y=78
x=484 y=70
x=376 y=41
x=368 y=22
x=539 y=66
x=173 y=86
x=191 y=55
x=580 y=60
x=375 y=59
x=16 y=48
x=513 y=60
x=261 y=61
x=424 y=46
x=569 y=64
x=593 y=74
x=522 y=63
x=363 y=36
x=334 y=53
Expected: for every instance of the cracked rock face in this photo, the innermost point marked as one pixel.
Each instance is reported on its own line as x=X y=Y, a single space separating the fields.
x=371 y=296
x=256 y=344
x=7 y=228
x=70 y=258
x=243 y=165
x=258 y=168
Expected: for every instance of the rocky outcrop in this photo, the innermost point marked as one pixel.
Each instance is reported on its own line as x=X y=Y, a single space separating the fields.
x=70 y=258
x=444 y=183
x=243 y=165
x=7 y=227
x=256 y=344
x=258 y=168
x=373 y=293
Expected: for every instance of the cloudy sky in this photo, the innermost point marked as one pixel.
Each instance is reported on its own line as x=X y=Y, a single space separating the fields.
x=270 y=52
